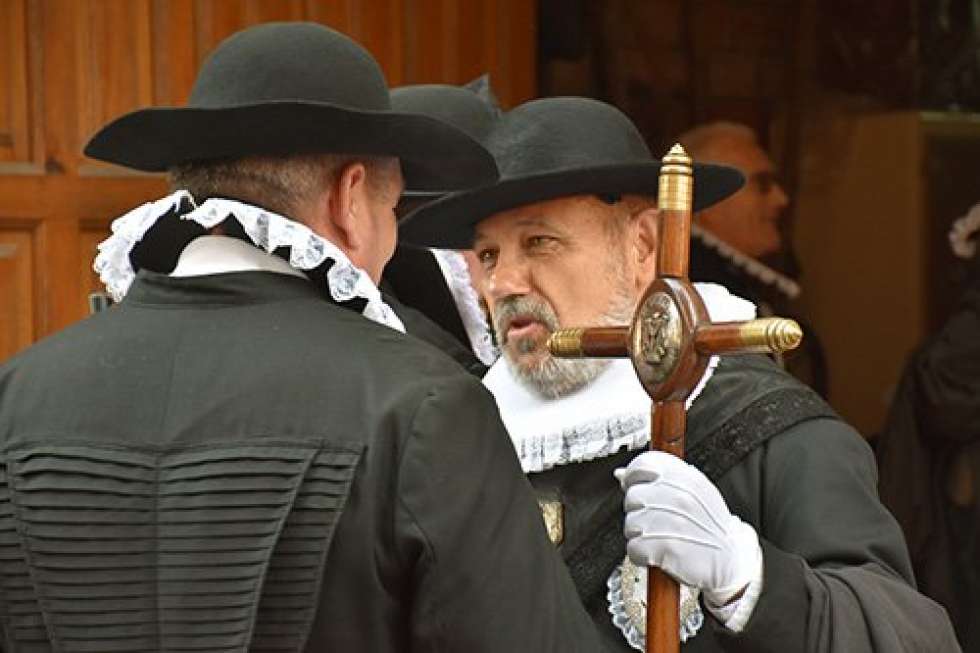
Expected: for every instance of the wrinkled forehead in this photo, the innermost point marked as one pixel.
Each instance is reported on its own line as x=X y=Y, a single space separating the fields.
x=572 y=215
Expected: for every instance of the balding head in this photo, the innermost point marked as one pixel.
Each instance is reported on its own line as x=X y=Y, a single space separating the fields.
x=748 y=219
x=716 y=138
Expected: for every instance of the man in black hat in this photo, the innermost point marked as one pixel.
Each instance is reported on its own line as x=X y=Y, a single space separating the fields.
x=772 y=524
x=246 y=453
x=436 y=282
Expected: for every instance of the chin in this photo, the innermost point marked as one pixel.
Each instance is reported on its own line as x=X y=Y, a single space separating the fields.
x=527 y=362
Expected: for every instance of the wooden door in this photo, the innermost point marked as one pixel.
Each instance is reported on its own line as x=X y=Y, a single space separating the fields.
x=69 y=66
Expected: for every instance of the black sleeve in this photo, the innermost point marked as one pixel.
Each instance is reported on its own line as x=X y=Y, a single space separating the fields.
x=836 y=571
x=947 y=376
x=486 y=576
x=419 y=325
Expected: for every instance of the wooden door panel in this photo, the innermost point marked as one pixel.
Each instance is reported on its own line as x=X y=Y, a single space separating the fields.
x=467 y=41
x=214 y=20
x=17 y=316
x=513 y=64
x=175 y=58
x=337 y=15
x=59 y=25
x=15 y=142
x=113 y=71
x=379 y=26
x=90 y=234
x=428 y=42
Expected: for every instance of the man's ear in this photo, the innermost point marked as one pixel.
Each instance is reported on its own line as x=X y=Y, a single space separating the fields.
x=645 y=246
x=345 y=202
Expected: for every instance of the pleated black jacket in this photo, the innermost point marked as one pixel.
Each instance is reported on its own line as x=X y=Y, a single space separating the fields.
x=231 y=462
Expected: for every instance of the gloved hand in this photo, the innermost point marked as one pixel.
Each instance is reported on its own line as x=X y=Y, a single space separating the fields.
x=676 y=519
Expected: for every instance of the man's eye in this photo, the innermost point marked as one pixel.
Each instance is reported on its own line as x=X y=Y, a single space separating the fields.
x=540 y=241
x=487 y=257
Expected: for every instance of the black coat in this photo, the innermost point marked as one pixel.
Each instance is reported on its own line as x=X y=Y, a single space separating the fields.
x=216 y=444
x=416 y=290
x=414 y=277
x=934 y=419
x=419 y=325
x=837 y=577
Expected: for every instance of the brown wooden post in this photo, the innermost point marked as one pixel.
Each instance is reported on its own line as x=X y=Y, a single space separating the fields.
x=668 y=423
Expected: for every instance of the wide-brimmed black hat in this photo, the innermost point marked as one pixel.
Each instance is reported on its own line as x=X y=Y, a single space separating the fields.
x=556 y=147
x=463 y=107
x=471 y=108
x=293 y=88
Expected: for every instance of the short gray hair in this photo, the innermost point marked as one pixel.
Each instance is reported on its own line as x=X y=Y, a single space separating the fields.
x=624 y=208
x=280 y=184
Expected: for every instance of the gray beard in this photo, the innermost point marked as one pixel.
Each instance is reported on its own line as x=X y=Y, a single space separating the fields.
x=554 y=378
x=557 y=377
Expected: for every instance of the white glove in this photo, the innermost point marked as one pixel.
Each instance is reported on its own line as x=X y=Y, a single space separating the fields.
x=676 y=519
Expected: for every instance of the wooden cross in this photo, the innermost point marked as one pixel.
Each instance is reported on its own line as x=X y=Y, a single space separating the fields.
x=670 y=342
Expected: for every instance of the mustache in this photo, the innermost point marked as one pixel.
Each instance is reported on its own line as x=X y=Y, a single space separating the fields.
x=513 y=307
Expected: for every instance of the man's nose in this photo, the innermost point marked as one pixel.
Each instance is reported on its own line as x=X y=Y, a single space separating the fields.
x=510 y=276
x=779 y=197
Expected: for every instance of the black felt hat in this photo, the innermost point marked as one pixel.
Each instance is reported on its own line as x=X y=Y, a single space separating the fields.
x=556 y=147
x=472 y=108
x=293 y=88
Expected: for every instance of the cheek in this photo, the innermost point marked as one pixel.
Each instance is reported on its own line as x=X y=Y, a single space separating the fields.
x=477 y=276
x=393 y=230
x=387 y=229
x=383 y=238
x=572 y=289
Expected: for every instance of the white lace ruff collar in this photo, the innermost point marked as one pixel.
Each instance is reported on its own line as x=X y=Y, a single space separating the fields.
x=752 y=267
x=457 y=275
x=598 y=420
x=267 y=230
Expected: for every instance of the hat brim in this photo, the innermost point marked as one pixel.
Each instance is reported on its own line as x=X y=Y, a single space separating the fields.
x=435 y=156
x=449 y=222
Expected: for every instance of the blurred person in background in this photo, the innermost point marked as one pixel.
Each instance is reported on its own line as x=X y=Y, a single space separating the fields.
x=929 y=451
x=730 y=240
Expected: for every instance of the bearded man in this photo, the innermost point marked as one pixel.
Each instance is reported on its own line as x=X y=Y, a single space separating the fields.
x=772 y=526
x=247 y=453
